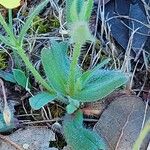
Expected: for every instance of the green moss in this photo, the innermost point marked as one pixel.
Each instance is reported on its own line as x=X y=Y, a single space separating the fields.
x=3 y=60
x=44 y=26
x=54 y=23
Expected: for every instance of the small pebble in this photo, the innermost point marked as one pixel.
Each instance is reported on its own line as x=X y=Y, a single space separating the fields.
x=26 y=146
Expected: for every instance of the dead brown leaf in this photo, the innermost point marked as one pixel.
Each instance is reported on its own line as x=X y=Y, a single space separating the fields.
x=120 y=124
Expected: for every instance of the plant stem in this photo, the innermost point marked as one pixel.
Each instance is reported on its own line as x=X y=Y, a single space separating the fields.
x=10 y=19
x=35 y=73
x=73 y=68
x=142 y=136
x=21 y=52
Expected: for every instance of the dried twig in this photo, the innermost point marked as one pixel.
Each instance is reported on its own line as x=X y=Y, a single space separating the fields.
x=5 y=139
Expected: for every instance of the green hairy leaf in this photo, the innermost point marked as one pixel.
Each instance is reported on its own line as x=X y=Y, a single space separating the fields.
x=56 y=66
x=4 y=40
x=88 y=10
x=28 y=22
x=99 y=85
x=41 y=99
x=80 y=33
x=68 y=6
x=79 y=5
x=73 y=8
x=89 y=73
x=20 y=77
x=6 y=27
x=83 y=12
x=78 y=10
x=73 y=11
x=78 y=137
x=72 y=106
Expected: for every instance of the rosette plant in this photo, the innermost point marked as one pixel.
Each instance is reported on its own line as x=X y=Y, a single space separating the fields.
x=71 y=84
x=65 y=80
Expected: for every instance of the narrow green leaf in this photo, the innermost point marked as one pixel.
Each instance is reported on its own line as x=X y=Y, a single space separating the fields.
x=143 y=134
x=104 y=62
x=99 y=85
x=78 y=85
x=5 y=40
x=7 y=76
x=89 y=73
x=41 y=99
x=79 y=138
x=89 y=10
x=68 y=6
x=73 y=11
x=79 y=5
x=28 y=22
x=6 y=27
x=20 y=77
x=56 y=65
x=82 y=13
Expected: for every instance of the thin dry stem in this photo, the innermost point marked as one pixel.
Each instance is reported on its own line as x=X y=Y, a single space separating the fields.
x=5 y=139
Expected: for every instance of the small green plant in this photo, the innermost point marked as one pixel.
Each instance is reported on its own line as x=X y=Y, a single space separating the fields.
x=66 y=81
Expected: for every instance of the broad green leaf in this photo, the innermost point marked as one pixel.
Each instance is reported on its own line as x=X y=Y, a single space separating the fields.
x=20 y=77
x=99 y=85
x=72 y=106
x=41 y=99
x=56 y=66
x=79 y=138
x=78 y=118
x=28 y=22
x=4 y=127
x=7 y=76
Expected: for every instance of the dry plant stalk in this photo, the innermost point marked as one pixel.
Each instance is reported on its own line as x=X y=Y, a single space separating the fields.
x=6 y=110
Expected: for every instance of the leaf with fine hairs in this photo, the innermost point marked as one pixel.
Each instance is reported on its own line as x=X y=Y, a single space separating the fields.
x=100 y=84
x=78 y=137
x=20 y=77
x=56 y=65
x=41 y=99
x=28 y=22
